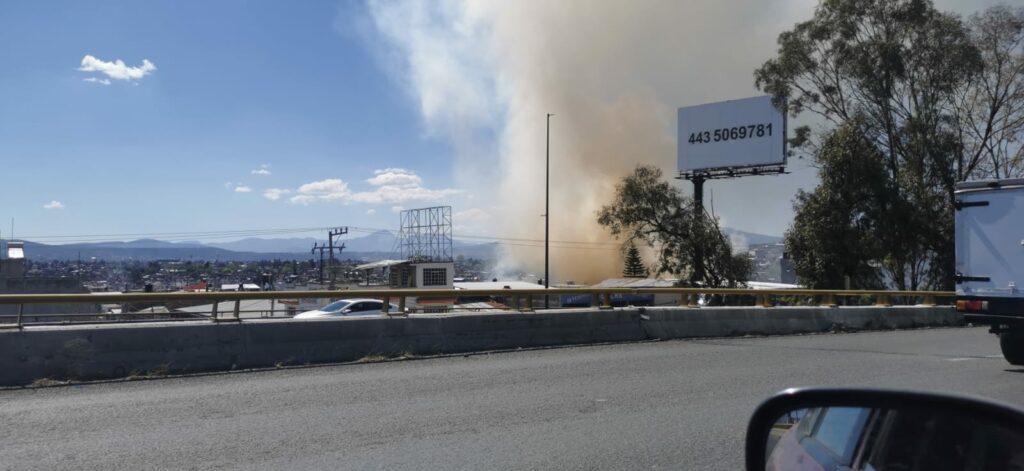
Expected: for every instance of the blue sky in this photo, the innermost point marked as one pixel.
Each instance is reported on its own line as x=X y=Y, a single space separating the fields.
x=274 y=114
x=290 y=90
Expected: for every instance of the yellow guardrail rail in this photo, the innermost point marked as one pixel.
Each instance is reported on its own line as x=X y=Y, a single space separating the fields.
x=521 y=299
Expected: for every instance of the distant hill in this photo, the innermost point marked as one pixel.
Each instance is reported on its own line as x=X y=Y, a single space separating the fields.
x=380 y=241
x=374 y=246
x=751 y=238
x=146 y=251
x=258 y=245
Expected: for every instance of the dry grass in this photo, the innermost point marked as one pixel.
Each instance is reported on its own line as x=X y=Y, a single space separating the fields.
x=44 y=382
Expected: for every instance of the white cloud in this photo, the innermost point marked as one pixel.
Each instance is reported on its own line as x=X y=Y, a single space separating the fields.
x=395 y=194
x=227 y=185
x=263 y=170
x=116 y=70
x=392 y=186
x=242 y=189
x=331 y=189
x=302 y=199
x=397 y=209
x=97 y=80
x=54 y=204
x=371 y=212
x=275 y=194
x=395 y=177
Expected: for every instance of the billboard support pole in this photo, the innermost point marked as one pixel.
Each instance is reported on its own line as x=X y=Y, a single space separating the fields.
x=698 y=214
x=698 y=177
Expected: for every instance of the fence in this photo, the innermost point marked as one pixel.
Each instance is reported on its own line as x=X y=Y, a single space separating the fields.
x=17 y=310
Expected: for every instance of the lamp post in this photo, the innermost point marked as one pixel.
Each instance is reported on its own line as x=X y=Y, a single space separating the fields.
x=547 y=210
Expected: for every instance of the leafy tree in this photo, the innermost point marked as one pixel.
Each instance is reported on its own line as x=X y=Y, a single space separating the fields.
x=833 y=236
x=634 y=264
x=989 y=112
x=652 y=211
x=935 y=97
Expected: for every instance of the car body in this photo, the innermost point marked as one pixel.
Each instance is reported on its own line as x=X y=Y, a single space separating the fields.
x=876 y=430
x=359 y=307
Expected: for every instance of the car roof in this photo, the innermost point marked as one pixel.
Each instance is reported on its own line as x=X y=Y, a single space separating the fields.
x=355 y=300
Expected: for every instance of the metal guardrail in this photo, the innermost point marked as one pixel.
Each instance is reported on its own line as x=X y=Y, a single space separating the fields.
x=521 y=299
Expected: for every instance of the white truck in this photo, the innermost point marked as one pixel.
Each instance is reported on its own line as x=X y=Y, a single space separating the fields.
x=990 y=260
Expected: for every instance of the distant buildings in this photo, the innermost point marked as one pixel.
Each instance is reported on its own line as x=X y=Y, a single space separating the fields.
x=13 y=280
x=771 y=264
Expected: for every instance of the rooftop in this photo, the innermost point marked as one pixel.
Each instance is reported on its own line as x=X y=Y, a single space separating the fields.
x=491 y=285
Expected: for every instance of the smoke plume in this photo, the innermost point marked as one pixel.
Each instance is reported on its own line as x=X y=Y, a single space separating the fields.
x=613 y=73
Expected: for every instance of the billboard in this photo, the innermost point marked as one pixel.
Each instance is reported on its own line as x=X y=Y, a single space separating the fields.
x=732 y=134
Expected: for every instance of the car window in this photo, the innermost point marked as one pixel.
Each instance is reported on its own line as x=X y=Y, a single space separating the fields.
x=839 y=429
x=335 y=306
x=368 y=306
x=355 y=307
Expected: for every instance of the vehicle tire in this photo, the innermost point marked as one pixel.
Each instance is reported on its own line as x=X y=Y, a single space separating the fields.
x=1012 y=345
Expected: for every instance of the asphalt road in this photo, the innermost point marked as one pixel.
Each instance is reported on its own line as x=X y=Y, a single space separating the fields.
x=659 y=405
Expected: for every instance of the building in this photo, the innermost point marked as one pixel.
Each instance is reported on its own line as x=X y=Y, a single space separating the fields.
x=12 y=259
x=414 y=275
x=584 y=299
x=240 y=287
x=13 y=280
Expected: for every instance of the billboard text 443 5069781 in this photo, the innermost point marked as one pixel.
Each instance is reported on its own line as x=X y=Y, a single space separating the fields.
x=750 y=132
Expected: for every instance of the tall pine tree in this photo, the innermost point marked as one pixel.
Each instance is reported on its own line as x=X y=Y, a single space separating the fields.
x=634 y=266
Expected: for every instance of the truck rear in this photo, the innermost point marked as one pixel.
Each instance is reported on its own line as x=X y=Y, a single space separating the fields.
x=990 y=260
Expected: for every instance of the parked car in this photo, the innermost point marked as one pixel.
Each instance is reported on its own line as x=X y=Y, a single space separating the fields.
x=348 y=308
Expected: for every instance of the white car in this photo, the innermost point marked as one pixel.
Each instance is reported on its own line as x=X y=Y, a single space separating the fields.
x=348 y=308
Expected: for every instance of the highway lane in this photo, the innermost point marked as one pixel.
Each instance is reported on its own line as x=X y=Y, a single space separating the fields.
x=657 y=405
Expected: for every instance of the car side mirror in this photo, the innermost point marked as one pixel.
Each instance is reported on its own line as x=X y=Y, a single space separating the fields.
x=835 y=429
x=346 y=310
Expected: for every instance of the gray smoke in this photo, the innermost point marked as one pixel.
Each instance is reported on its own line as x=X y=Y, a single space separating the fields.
x=485 y=73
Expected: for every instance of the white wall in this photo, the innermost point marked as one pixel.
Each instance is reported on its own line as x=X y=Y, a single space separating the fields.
x=449 y=266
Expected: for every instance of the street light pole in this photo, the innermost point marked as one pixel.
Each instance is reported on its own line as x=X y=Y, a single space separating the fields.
x=547 y=210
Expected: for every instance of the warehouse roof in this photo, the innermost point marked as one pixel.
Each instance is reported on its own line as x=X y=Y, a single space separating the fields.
x=636 y=283
x=491 y=285
x=381 y=264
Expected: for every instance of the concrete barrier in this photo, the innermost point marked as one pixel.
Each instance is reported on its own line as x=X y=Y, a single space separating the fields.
x=114 y=351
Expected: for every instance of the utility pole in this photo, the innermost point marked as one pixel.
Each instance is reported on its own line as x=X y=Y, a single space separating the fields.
x=321 y=249
x=547 y=212
x=337 y=231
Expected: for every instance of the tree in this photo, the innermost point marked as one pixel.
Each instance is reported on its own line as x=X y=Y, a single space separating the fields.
x=634 y=264
x=989 y=112
x=833 y=235
x=650 y=210
x=933 y=96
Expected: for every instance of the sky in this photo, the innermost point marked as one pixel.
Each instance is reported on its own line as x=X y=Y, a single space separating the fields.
x=189 y=116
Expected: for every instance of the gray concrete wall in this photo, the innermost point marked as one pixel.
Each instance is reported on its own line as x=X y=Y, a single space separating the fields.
x=112 y=351
x=44 y=285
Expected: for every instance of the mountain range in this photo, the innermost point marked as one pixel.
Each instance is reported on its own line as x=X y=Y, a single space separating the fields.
x=374 y=246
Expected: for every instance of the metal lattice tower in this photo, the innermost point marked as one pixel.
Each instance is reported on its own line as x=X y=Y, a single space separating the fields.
x=426 y=234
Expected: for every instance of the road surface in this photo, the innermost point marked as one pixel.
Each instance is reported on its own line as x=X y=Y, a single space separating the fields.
x=657 y=405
